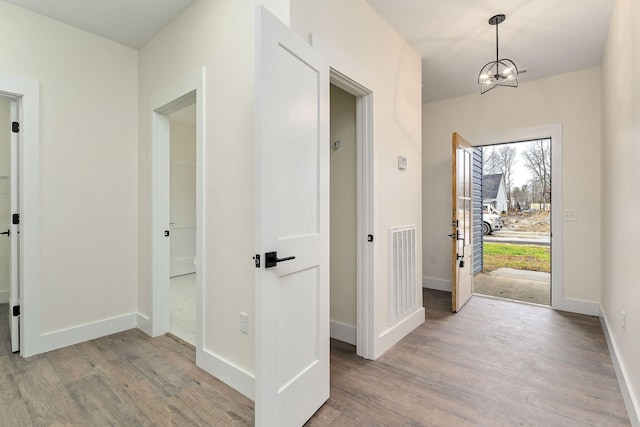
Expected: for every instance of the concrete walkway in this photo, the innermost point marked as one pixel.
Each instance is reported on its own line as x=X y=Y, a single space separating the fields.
x=521 y=285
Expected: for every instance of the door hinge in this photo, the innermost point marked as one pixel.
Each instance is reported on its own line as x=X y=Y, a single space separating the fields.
x=256 y=260
x=15 y=219
x=16 y=310
x=15 y=127
x=369 y=237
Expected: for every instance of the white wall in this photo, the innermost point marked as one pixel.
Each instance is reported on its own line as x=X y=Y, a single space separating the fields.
x=360 y=44
x=620 y=202
x=5 y=198
x=183 y=141
x=182 y=185
x=343 y=209
x=218 y=35
x=572 y=99
x=88 y=160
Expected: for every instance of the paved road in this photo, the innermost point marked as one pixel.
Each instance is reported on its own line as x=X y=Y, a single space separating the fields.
x=519 y=238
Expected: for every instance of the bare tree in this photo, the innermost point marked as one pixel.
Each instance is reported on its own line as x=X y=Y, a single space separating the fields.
x=506 y=161
x=537 y=159
x=518 y=199
x=522 y=197
x=501 y=160
x=490 y=161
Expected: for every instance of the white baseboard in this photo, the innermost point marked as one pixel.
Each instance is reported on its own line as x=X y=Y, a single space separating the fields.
x=144 y=324
x=343 y=332
x=628 y=394
x=218 y=367
x=4 y=297
x=77 y=334
x=398 y=331
x=230 y=374
x=437 y=284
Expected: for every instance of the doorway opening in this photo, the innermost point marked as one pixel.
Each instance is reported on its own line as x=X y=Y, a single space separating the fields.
x=182 y=223
x=512 y=232
x=177 y=220
x=343 y=216
x=351 y=214
x=24 y=231
x=9 y=250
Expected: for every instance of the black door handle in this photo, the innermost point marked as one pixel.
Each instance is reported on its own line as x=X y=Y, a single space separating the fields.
x=271 y=259
x=8 y=232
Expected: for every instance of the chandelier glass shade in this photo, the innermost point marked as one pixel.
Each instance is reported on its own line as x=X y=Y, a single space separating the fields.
x=501 y=72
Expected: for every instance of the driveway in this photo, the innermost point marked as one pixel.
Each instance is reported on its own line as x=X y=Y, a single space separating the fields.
x=519 y=237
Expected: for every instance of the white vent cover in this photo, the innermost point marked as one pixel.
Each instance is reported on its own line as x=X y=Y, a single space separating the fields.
x=403 y=271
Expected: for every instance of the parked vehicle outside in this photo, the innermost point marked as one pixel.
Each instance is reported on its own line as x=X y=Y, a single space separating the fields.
x=490 y=223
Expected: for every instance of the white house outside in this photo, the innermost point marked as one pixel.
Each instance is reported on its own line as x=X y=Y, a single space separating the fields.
x=494 y=192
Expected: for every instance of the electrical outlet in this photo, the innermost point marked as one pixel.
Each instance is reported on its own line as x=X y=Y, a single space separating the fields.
x=244 y=323
x=624 y=320
x=433 y=259
x=570 y=216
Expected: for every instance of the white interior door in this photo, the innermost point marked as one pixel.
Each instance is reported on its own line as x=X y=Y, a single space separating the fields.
x=292 y=220
x=14 y=296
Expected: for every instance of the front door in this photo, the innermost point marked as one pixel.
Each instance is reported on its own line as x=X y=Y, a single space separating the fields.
x=461 y=224
x=292 y=226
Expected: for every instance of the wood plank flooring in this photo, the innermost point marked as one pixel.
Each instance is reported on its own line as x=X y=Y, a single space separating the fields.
x=126 y=379
x=495 y=363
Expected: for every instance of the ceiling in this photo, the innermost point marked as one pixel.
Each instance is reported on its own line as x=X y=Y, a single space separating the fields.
x=130 y=22
x=546 y=37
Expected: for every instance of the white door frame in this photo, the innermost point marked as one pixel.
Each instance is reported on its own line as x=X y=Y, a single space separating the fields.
x=14 y=229
x=553 y=131
x=365 y=331
x=171 y=99
x=27 y=93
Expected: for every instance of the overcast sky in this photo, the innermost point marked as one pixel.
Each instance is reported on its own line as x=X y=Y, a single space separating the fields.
x=520 y=174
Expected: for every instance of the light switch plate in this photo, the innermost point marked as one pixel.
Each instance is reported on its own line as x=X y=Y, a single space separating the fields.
x=244 y=323
x=402 y=162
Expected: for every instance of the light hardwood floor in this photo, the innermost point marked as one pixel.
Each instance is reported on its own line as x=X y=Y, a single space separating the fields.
x=495 y=363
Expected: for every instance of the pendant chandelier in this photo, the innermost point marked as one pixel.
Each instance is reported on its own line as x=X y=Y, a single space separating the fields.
x=501 y=72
